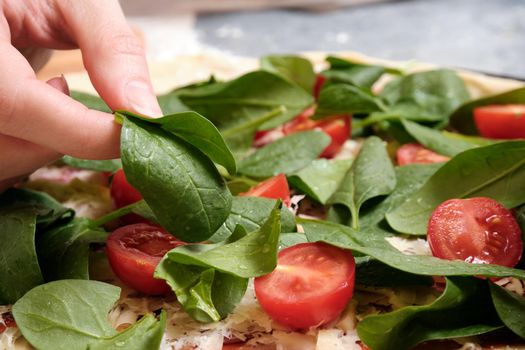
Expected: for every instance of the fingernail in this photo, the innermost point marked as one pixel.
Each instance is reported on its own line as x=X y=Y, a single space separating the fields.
x=142 y=100
x=60 y=84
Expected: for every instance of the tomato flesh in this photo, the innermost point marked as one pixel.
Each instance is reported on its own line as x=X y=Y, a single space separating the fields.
x=501 y=121
x=415 y=153
x=124 y=194
x=134 y=251
x=477 y=230
x=275 y=188
x=310 y=286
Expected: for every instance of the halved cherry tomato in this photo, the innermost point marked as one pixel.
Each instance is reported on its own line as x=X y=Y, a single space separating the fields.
x=134 y=251
x=124 y=194
x=415 y=153
x=319 y=82
x=477 y=230
x=275 y=187
x=310 y=286
x=501 y=121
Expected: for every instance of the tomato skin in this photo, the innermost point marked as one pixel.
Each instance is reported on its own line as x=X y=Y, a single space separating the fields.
x=501 y=121
x=338 y=128
x=415 y=153
x=310 y=287
x=319 y=82
x=124 y=194
x=134 y=251
x=275 y=188
x=477 y=230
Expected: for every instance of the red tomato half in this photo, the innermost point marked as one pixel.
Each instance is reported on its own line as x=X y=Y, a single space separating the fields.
x=134 y=251
x=310 y=286
x=476 y=230
x=415 y=153
x=501 y=121
x=124 y=194
x=275 y=187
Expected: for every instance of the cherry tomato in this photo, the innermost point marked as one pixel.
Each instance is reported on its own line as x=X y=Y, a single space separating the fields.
x=134 y=251
x=124 y=194
x=275 y=187
x=415 y=153
x=319 y=82
x=310 y=286
x=243 y=346
x=501 y=121
x=477 y=230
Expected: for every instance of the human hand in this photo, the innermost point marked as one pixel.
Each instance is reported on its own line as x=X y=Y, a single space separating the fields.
x=38 y=121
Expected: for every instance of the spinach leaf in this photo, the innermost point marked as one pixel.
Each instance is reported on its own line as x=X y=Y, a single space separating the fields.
x=197 y=131
x=170 y=104
x=462 y=120
x=456 y=313
x=20 y=270
x=510 y=308
x=321 y=178
x=294 y=68
x=90 y=101
x=47 y=209
x=358 y=74
x=110 y=165
x=286 y=155
x=205 y=294
x=146 y=333
x=240 y=184
x=437 y=92
x=372 y=242
x=495 y=171
x=372 y=174
x=372 y=272
x=520 y=217
x=410 y=178
x=245 y=102
x=73 y=315
x=255 y=254
x=347 y=99
x=251 y=213
x=180 y=184
x=140 y=208
x=289 y=239
x=436 y=140
x=63 y=251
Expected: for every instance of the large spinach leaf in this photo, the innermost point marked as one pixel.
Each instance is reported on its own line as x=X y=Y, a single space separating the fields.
x=73 y=314
x=495 y=171
x=456 y=313
x=197 y=131
x=462 y=120
x=286 y=155
x=510 y=308
x=321 y=178
x=372 y=174
x=20 y=270
x=347 y=99
x=180 y=184
x=358 y=74
x=251 y=213
x=255 y=254
x=240 y=106
x=90 y=101
x=372 y=242
x=63 y=251
x=294 y=68
x=372 y=272
x=436 y=92
x=110 y=165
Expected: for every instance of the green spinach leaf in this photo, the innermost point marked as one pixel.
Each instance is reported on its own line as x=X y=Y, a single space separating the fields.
x=180 y=184
x=197 y=131
x=286 y=155
x=321 y=178
x=372 y=272
x=495 y=171
x=358 y=74
x=372 y=174
x=255 y=254
x=110 y=165
x=456 y=313
x=294 y=68
x=510 y=308
x=251 y=213
x=90 y=101
x=170 y=104
x=462 y=120
x=346 y=99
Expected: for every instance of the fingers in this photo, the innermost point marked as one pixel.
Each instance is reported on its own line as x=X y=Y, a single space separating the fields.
x=113 y=56
x=36 y=112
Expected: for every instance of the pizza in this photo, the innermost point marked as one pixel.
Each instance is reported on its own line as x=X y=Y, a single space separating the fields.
x=300 y=202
